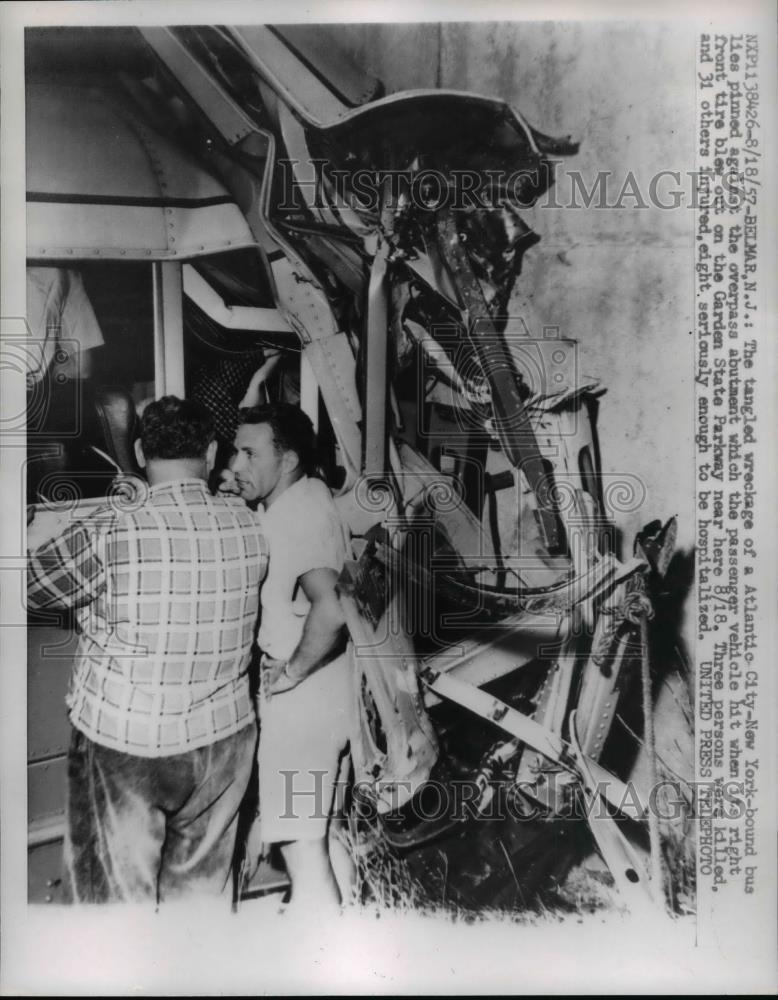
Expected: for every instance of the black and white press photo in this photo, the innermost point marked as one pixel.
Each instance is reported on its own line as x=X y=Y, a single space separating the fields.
x=387 y=404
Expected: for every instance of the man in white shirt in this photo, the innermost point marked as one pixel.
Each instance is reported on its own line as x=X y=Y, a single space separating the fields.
x=305 y=701
x=59 y=311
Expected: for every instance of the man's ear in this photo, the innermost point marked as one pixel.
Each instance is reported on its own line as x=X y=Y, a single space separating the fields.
x=290 y=461
x=139 y=454
x=210 y=455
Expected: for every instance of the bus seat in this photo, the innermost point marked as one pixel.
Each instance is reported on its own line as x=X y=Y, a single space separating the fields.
x=116 y=424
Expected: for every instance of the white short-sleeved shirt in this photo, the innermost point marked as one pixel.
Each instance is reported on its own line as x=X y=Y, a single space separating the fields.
x=58 y=309
x=303 y=531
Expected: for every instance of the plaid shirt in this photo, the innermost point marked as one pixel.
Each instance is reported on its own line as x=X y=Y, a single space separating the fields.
x=167 y=592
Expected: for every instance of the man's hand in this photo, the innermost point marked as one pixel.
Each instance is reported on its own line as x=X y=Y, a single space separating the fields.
x=322 y=634
x=277 y=676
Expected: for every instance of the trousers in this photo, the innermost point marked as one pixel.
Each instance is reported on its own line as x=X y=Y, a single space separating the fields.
x=303 y=736
x=150 y=829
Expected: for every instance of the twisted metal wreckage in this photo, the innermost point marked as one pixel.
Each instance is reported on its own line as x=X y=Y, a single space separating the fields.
x=484 y=601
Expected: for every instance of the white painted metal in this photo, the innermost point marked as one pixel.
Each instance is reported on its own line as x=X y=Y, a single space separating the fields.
x=231 y=317
x=540 y=738
x=102 y=185
x=288 y=75
x=168 y=330
x=201 y=87
x=46 y=831
x=309 y=391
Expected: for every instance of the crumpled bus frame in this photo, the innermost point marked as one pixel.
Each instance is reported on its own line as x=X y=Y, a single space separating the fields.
x=373 y=289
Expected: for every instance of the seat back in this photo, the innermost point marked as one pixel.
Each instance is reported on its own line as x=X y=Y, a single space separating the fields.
x=64 y=465
x=116 y=425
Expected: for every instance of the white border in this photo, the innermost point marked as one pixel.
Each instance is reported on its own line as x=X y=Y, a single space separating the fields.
x=178 y=952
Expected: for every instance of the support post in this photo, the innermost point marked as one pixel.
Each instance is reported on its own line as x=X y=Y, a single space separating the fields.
x=168 y=330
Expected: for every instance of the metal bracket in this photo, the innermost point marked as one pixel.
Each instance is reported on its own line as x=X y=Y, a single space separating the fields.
x=596 y=783
x=622 y=797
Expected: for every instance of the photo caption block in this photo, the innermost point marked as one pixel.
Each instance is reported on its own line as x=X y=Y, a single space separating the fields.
x=731 y=687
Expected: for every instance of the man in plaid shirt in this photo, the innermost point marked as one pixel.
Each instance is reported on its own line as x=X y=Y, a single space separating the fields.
x=166 y=595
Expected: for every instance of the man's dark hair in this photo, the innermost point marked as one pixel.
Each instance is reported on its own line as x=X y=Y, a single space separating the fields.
x=172 y=428
x=292 y=431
